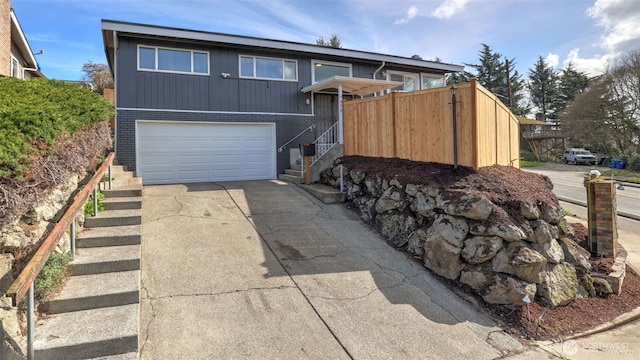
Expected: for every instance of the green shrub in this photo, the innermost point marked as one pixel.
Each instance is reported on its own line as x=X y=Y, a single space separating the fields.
x=88 y=206
x=52 y=275
x=34 y=113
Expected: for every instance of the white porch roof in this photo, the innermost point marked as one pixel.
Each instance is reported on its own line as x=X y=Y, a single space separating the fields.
x=351 y=85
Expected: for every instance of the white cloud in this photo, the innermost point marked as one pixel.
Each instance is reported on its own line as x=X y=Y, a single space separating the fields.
x=411 y=13
x=591 y=66
x=620 y=19
x=552 y=60
x=449 y=8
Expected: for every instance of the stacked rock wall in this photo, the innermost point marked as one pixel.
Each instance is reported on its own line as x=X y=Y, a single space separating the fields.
x=466 y=237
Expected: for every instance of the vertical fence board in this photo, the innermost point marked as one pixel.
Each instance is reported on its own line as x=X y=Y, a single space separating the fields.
x=418 y=126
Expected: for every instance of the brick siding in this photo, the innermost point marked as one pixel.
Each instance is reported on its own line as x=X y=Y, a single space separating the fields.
x=5 y=37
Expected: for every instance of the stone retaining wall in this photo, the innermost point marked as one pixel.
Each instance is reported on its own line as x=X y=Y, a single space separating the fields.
x=468 y=238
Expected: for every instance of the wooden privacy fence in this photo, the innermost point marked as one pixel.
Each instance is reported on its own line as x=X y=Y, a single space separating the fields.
x=418 y=126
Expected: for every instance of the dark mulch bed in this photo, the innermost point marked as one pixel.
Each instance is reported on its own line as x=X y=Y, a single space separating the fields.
x=506 y=186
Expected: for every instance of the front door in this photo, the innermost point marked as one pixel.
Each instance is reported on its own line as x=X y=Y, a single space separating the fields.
x=326 y=108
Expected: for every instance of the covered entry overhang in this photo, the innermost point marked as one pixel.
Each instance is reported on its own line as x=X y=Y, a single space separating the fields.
x=352 y=86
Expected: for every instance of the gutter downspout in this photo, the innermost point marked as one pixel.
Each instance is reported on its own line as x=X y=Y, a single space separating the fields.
x=377 y=71
x=24 y=70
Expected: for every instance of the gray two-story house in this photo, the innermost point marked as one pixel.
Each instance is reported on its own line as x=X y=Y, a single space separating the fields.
x=196 y=106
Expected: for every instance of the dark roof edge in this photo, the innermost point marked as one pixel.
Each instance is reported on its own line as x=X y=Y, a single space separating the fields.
x=135 y=28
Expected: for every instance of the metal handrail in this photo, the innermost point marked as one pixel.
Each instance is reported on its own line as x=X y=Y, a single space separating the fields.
x=309 y=128
x=324 y=143
x=23 y=285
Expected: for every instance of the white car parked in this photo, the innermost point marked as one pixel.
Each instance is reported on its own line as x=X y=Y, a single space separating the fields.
x=577 y=156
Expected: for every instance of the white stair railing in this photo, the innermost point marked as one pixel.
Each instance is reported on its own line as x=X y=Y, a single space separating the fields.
x=324 y=143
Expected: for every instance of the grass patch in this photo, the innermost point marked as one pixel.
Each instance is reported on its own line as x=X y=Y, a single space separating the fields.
x=526 y=163
x=52 y=275
x=569 y=213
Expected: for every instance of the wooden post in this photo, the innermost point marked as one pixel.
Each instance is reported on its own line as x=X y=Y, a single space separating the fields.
x=307 y=169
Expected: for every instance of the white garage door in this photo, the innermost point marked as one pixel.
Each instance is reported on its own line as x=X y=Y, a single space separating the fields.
x=179 y=152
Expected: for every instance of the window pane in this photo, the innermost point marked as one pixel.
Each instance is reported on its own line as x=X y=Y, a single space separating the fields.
x=431 y=82
x=269 y=68
x=246 y=66
x=409 y=83
x=147 y=58
x=324 y=71
x=396 y=77
x=174 y=60
x=290 y=71
x=200 y=63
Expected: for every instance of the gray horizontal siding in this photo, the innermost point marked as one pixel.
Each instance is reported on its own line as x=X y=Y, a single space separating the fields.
x=287 y=126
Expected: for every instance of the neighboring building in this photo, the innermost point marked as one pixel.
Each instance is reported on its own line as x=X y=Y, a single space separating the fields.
x=195 y=106
x=16 y=57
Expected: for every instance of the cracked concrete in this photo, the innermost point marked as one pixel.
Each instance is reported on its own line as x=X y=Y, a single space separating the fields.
x=262 y=270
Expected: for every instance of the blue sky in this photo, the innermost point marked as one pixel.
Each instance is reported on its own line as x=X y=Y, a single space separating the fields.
x=589 y=33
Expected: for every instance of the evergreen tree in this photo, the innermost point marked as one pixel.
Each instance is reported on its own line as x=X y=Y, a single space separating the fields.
x=491 y=73
x=572 y=82
x=457 y=78
x=543 y=88
x=334 y=42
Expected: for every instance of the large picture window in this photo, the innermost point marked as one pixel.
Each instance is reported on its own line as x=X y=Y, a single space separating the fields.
x=173 y=60
x=409 y=81
x=323 y=70
x=432 y=81
x=268 y=68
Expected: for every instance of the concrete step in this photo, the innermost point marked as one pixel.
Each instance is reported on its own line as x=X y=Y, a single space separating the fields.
x=99 y=260
x=129 y=191
x=326 y=194
x=293 y=172
x=114 y=218
x=86 y=292
x=109 y=332
x=121 y=174
x=118 y=183
x=118 y=168
x=296 y=167
x=122 y=203
x=290 y=178
x=109 y=236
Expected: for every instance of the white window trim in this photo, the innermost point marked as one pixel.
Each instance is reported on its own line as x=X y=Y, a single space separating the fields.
x=416 y=76
x=13 y=61
x=155 y=48
x=267 y=58
x=314 y=62
x=432 y=76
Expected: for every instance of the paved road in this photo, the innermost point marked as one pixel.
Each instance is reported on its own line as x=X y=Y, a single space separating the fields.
x=568 y=182
x=262 y=270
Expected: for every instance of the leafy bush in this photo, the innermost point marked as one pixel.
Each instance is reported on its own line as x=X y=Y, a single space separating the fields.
x=34 y=114
x=88 y=206
x=52 y=275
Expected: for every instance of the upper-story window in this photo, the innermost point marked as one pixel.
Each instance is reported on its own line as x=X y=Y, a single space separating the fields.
x=409 y=81
x=173 y=60
x=15 y=68
x=268 y=68
x=431 y=81
x=323 y=70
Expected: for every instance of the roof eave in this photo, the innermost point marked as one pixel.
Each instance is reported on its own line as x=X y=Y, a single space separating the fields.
x=133 y=28
x=17 y=36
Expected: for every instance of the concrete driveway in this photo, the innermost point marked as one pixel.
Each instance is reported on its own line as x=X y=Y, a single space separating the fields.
x=261 y=270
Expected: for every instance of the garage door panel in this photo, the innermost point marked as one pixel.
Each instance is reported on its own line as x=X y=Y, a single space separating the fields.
x=170 y=152
x=201 y=160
